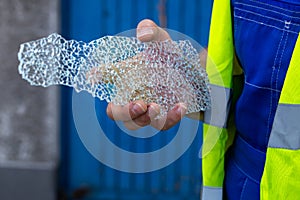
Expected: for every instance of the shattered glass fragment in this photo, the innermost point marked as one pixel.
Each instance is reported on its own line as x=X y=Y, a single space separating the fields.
x=119 y=69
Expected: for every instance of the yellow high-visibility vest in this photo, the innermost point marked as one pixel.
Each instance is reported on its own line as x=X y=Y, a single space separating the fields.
x=281 y=176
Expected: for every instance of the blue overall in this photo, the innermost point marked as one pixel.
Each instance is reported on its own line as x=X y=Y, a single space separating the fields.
x=265 y=33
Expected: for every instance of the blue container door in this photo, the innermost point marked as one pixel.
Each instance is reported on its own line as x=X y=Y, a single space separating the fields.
x=81 y=175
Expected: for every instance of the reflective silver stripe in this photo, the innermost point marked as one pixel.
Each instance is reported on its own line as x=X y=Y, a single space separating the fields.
x=220 y=104
x=212 y=193
x=286 y=127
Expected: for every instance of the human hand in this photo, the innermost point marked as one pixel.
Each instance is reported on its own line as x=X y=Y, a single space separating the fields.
x=138 y=114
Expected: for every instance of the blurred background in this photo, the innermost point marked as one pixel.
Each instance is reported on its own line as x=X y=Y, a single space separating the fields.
x=41 y=155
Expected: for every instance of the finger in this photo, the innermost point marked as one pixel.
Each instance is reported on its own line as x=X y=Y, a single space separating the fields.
x=172 y=117
x=203 y=58
x=131 y=125
x=153 y=110
x=138 y=122
x=145 y=119
x=148 y=31
x=126 y=112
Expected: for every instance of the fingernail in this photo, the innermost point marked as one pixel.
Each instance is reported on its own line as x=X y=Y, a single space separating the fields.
x=138 y=109
x=181 y=108
x=144 y=31
x=153 y=111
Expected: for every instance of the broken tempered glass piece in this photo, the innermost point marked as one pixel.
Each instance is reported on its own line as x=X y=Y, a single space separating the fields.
x=120 y=69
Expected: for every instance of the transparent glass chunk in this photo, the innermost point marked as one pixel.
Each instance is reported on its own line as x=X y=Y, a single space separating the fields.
x=119 y=69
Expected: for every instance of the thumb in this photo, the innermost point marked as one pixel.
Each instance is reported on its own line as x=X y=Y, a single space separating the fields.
x=148 y=31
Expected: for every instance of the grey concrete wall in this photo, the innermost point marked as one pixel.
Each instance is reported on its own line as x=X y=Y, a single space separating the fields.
x=28 y=115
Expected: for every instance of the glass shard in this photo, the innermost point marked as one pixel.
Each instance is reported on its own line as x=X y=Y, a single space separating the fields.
x=119 y=69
